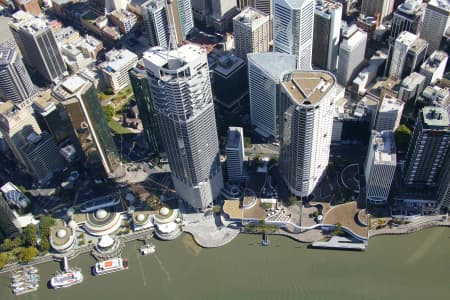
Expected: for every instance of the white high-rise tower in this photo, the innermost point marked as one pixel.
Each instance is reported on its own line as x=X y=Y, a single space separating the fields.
x=293 y=27
x=436 y=20
x=181 y=91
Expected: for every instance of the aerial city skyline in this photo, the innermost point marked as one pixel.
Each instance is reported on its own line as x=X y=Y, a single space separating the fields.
x=323 y=120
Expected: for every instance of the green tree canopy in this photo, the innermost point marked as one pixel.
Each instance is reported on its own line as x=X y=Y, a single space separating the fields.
x=27 y=254
x=402 y=137
x=292 y=200
x=29 y=235
x=108 y=111
x=9 y=244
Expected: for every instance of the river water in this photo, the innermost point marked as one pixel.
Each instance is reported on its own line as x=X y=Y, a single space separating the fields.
x=409 y=267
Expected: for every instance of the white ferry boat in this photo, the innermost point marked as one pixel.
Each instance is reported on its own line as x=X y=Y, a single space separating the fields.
x=110 y=266
x=66 y=279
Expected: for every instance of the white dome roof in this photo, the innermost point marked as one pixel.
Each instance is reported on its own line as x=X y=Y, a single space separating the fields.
x=140 y=217
x=164 y=211
x=101 y=214
x=61 y=233
x=106 y=241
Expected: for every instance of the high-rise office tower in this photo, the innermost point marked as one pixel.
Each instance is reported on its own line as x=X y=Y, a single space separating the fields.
x=380 y=166
x=251 y=32
x=408 y=53
x=181 y=92
x=221 y=14
x=351 y=54
x=15 y=83
x=293 y=29
x=39 y=48
x=266 y=6
x=16 y=125
x=428 y=147
x=407 y=17
x=264 y=72
x=377 y=8
x=443 y=191
x=42 y=157
x=389 y=114
x=327 y=31
x=436 y=20
x=201 y=10
x=79 y=99
x=434 y=67
x=141 y=90
x=157 y=17
x=306 y=121
x=235 y=153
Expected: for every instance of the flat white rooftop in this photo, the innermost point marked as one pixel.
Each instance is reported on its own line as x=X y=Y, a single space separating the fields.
x=384 y=147
x=390 y=103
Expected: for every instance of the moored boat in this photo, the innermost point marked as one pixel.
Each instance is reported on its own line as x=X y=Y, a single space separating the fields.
x=66 y=279
x=110 y=266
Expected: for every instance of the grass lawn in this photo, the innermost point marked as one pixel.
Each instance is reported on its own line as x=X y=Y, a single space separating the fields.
x=117 y=128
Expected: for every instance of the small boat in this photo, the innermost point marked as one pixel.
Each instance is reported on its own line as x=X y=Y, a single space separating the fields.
x=147 y=249
x=265 y=241
x=110 y=266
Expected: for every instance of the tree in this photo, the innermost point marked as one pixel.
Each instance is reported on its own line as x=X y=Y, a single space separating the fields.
x=27 y=254
x=29 y=235
x=108 y=111
x=45 y=245
x=292 y=200
x=247 y=142
x=402 y=137
x=9 y=244
x=4 y=258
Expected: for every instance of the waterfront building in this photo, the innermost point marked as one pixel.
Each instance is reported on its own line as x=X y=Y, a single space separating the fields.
x=327 y=31
x=351 y=54
x=407 y=17
x=389 y=113
x=411 y=87
x=428 y=148
x=379 y=9
x=229 y=81
x=306 y=121
x=116 y=67
x=235 y=153
x=251 y=32
x=62 y=236
x=187 y=121
x=380 y=166
x=408 y=53
x=15 y=83
x=157 y=20
x=37 y=43
x=141 y=90
x=264 y=72
x=434 y=67
x=78 y=98
x=436 y=20
x=293 y=29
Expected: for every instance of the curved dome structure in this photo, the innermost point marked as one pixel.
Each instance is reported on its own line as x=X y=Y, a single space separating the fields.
x=62 y=238
x=61 y=233
x=102 y=222
x=164 y=211
x=101 y=214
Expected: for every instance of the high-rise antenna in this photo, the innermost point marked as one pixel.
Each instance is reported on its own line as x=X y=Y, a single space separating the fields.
x=171 y=21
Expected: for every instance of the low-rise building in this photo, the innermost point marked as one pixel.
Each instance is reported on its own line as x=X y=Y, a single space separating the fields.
x=116 y=67
x=123 y=19
x=434 y=67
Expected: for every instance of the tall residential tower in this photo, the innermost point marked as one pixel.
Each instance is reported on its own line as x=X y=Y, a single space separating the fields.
x=306 y=121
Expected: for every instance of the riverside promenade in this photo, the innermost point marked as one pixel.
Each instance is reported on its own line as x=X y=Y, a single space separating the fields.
x=414 y=226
